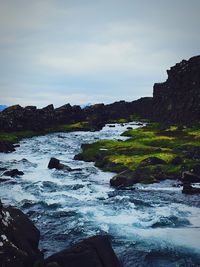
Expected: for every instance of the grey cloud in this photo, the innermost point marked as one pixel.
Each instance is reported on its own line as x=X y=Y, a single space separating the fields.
x=103 y=50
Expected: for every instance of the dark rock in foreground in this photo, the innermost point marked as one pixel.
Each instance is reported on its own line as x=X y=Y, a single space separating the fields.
x=19 y=240
x=92 y=252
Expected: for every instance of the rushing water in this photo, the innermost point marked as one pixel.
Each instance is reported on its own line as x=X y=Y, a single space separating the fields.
x=155 y=225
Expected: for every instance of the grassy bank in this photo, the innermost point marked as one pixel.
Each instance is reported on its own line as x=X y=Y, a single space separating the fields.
x=15 y=137
x=173 y=145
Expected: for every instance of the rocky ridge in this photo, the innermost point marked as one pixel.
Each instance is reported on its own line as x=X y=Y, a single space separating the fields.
x=175 y=101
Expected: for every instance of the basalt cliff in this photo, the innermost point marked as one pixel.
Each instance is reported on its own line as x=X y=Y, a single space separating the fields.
x=175 y=101
x=178 y=99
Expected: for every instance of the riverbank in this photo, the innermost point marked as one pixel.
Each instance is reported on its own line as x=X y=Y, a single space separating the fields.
x=9 y=140
x=150 y=154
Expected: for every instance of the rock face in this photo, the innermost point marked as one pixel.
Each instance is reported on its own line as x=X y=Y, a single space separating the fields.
x=178 y=99
x=92 y=252
x=17 y=118
x=19 y=239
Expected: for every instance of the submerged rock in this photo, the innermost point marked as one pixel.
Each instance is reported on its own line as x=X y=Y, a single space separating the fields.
x=13 y=173
x=92 y=252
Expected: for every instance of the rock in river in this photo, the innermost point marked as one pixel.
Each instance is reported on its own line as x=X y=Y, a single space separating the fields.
x=124 y=179
x=13 y=173
x=55 y=164
x=92 y=252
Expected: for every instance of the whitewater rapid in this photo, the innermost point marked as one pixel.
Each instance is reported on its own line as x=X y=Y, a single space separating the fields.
x=155 y=225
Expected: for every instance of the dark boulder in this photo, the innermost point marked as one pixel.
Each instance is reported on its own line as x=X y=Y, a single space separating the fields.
x=6 y=147
x=55 y=164
x=189 y=178
x=152 y=161
x=124 y=179
x=13 y=173
x=190 y=190
x=92 y=252
x=19 y=239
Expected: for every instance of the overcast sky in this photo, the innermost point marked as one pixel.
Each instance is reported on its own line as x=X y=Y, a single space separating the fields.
x=91 y=51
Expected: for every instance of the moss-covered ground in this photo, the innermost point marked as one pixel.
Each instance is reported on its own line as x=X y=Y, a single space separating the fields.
x=15 y=137
x=145 y=142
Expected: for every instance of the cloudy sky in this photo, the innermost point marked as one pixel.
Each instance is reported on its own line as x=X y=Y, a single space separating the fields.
x=89 y=51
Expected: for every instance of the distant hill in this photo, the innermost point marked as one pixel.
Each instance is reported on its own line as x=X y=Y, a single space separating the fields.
x=2 y=107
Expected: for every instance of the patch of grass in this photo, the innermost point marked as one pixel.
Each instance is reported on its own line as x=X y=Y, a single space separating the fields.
x=144 y=142
x=15 y=137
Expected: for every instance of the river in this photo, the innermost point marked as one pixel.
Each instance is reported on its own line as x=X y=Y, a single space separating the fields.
x=155 y=225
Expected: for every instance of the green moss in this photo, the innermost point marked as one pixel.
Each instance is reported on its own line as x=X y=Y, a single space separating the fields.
x=15 y=137
x=144 y=142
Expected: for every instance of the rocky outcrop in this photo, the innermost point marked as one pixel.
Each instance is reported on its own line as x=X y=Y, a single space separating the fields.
x=19 y=240
x=178 y=99
x=92 y=252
